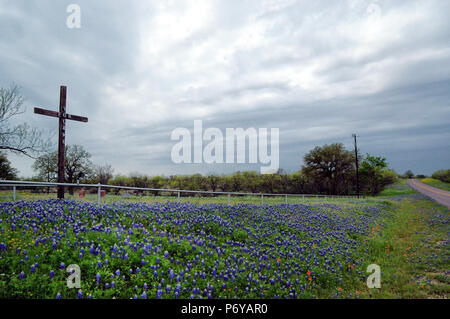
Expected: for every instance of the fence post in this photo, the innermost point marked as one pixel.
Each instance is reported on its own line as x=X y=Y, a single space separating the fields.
x=98 y=194
x=262 y=199
x=285 y=199
x=303 y=198
x=178 y=196
x=229 y=199
x=14 y=193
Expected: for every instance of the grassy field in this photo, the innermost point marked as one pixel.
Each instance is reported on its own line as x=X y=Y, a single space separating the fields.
x=400 y=230
x=436 y=183
x=398 y=189
x=273 y=200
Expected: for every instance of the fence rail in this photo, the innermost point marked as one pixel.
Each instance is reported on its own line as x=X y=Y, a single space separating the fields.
x=16 y=184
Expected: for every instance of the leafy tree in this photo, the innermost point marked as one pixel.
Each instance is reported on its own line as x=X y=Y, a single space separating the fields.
x=299 y=183
x=77 y=164
x=409 y=174
x=6 y=170
x=330 y=167
x=21 y=138
x=442 y=175
x=225 y=183
x=46 y=166
x=236 y=182
x=374 y=174
x=213 y=182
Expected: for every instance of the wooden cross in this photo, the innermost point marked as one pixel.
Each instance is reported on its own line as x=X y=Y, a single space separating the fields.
x=62 y=115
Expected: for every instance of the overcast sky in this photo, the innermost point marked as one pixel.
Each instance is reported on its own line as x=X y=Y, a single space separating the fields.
x=317 y=70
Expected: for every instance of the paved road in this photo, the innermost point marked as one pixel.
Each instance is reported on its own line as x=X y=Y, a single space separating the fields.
x=439 y=195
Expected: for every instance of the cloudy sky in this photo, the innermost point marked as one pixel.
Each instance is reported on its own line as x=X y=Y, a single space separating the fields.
x=317 y=70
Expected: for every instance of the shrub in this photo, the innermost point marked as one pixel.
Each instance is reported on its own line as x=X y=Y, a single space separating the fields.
x=443 y=175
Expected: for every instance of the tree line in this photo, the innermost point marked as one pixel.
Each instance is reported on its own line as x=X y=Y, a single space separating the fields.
x=327 y=169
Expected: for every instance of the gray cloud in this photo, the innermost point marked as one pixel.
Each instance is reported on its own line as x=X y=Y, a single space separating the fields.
x=318 y=71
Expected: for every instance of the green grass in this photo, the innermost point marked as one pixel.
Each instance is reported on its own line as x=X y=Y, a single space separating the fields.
x=110 y=197
x=411 y=247
x=436 y=183
x=397 y=189
x=412 y=251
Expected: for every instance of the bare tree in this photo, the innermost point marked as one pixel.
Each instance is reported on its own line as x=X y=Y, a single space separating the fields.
x=21 y=138
x=104 y=173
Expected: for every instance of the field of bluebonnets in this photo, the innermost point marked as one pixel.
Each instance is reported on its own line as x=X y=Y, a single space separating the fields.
x=183 y=250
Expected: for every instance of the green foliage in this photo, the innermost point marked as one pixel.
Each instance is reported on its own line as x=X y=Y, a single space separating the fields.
x=330 y=168
x=408 y=174
x=77 y=163
x=398 y=188
x=443 y=175
x=6 y=170
x=375 y=174
x=436 y=183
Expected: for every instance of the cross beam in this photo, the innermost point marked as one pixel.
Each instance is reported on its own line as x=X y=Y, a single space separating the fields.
x=62 y=115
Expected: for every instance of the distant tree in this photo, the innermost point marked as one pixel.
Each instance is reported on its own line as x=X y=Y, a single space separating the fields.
x=213 y=182
x=120 y=180
x=409 y=174
x=77 y=164
x=157 y=182
x=250 y=181
x=6 y=170
x=236 y=182
x=46 y=166
x=21 y=138
x=225 y=183
x=374 y=174
x=104 y=173
x=330 y=167
x=442 y=175
x=299 y=183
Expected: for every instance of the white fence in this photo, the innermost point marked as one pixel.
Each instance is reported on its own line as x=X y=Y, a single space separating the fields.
x=17 y=184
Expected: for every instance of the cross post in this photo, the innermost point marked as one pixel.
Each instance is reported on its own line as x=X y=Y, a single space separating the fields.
x=62 y=115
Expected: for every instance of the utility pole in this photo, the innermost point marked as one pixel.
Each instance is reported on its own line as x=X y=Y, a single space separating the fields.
x=357 y=166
